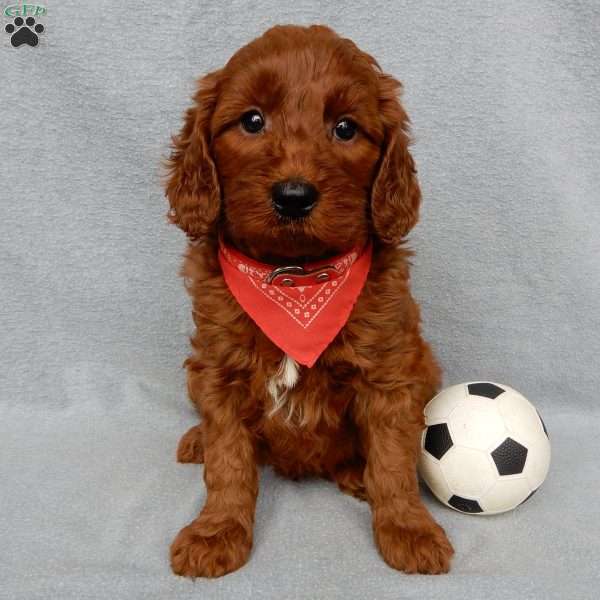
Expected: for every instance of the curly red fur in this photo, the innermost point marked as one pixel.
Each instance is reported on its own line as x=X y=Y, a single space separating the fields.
x=357 y=415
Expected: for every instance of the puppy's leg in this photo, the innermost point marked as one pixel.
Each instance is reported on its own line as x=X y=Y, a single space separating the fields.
x=219 y=540
x=350 y=479
x=406 y=534
x=191 y=446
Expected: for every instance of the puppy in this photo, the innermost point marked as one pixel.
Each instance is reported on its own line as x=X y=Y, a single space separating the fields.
x=293 y=181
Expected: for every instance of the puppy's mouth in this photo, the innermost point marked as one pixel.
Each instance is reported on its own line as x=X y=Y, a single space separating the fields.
x=279 y=260
x=292 y=213
x=285 y=250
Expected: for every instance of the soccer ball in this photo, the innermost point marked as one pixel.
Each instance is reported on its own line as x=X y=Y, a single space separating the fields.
x=485 y=448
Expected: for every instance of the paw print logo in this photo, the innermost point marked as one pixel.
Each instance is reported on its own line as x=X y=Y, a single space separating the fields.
x=24 y=31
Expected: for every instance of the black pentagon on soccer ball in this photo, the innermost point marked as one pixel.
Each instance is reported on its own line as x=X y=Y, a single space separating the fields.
x=510 y=457
x=465 y=504
x=485 y=389
x=438 y=440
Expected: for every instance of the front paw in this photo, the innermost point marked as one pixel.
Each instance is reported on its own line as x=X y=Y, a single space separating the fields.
x=418 y=549
x=201 y=551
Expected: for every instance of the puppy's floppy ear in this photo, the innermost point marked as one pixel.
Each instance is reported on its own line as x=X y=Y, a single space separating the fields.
x=192 y=186
x=395 y=194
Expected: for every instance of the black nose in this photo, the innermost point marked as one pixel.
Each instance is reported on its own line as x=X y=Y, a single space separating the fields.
x=294 y=198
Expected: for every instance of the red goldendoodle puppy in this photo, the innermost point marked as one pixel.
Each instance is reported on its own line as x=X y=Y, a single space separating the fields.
x=293 y=181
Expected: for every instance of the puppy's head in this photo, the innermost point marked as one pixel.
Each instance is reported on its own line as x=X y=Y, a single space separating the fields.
x=297 y=147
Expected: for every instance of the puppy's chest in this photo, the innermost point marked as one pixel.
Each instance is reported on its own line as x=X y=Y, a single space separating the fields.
x=307 y=399
x=281 y=386
x=305 y=426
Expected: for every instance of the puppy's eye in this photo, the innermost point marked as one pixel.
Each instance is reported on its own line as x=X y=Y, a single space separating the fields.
x=252 y=121
x=345 y=129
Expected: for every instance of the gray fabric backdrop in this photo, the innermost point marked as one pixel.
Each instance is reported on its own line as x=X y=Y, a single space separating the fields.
x=94 y=319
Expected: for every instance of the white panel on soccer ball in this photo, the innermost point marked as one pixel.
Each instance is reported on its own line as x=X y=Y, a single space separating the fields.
x=469 y=472
x=520 y=416
x=439 y=410
x=505 y=494
x=538 y=461
x=431 y=472
x=476 y=423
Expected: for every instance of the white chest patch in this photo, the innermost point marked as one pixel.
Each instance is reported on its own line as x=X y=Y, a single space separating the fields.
x=282 y=382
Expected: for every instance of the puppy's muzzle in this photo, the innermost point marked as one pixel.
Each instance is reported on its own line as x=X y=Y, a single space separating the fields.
x=294 y=198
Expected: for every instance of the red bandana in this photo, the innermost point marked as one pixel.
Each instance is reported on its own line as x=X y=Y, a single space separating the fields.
x=300 y=309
